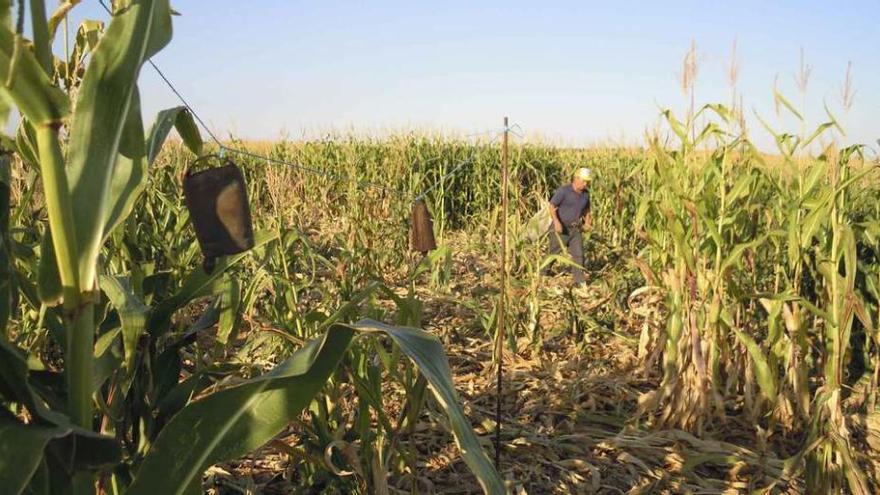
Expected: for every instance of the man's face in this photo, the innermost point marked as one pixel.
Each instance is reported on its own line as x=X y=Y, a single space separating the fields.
x=579 y=184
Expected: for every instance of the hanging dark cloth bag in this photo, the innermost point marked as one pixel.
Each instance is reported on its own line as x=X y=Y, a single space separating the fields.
x=218 y=208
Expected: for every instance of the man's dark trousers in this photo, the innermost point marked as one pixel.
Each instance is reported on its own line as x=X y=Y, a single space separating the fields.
x=573 y=240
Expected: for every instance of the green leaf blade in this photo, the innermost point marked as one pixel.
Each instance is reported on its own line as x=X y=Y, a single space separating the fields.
x=106 y=97
x=232 y=422
x=426 y=351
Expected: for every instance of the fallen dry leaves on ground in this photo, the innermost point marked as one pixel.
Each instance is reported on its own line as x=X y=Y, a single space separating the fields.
x=570 y=402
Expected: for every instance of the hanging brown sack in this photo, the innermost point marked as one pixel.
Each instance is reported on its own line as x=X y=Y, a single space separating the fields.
x=421 y=228
x=218 y=207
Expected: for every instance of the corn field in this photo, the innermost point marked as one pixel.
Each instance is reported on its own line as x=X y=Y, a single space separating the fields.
x=726 y=342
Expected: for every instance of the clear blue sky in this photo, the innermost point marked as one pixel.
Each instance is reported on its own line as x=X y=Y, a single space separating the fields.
x=575 y=72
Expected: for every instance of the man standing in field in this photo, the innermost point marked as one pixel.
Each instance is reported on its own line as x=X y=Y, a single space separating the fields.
x=570 y=212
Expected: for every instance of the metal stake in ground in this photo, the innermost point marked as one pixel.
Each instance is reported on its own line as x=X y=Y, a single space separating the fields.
x=502 y=302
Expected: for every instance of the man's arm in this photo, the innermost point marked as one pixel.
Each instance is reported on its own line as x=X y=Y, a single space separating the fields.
x=588 y=218
x=555 y=202
x=557 y=225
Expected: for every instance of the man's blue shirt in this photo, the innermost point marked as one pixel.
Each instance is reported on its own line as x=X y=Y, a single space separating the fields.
x=571 y=205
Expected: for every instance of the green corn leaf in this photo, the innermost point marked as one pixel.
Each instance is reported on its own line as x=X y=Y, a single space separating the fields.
x=80 y=449
x=232 y=422
x=48 y=279
x=558 y=260
x=833 y=120
x=712 y=227
x=852 y=151
x=812 y=308
x=781 y=139
x=109 y=362
x=781 y=99
x=434 y=258
x=740 y=188
x=22 y=449
x=130 y=170
x=6 y=14
x=6 y=265
x=765 y=376
x=711 y=129
x=182 y=121
x=774 y=309
x=180 y=395
x=159 y=132
x=132 y=314
x=229 y=305
x=237 y=420
x=211 y=315
x=365 y=384
x=198 y=284
x=813 y=176
x=26 y=144
x=103 y=343
x=31 y=89
x=793 y=244
x=426 y=351
x=195 y=287
x=77 y=447
x=871 y=285
x=14 y=385
x=788 y=142
x=189 y=132
x=6 y=104
x=251 y=294
x=818 y=132
x=106 y=97
x=675 y=125
x=854 y=179
x=719 y=109
x=135 y=156
x=351 y=305
x=738 y=250
x=814 y=220
x=40 y=482
x=870 y=231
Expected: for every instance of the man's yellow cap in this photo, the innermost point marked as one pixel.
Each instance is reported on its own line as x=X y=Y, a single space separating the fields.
x=584 y=174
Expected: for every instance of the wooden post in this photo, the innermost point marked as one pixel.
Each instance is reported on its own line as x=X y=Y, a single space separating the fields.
x=502 y=302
